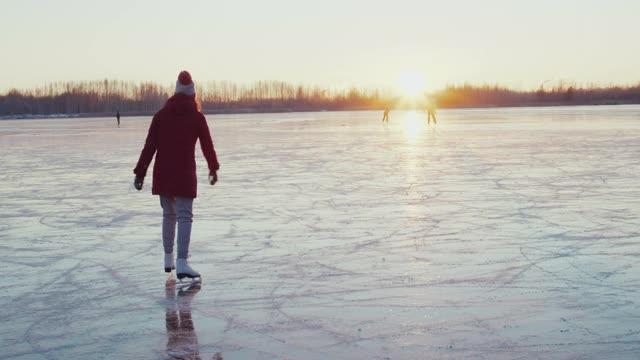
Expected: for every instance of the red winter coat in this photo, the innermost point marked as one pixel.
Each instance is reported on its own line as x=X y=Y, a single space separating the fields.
x=173 y=134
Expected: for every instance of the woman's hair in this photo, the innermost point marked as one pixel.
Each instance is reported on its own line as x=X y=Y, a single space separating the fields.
x=193 y=97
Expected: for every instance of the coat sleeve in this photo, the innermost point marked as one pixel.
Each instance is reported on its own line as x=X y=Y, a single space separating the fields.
x=206 y=144
x=150 y=147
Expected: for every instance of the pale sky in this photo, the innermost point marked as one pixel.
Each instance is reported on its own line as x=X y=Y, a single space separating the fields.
x=330 y=42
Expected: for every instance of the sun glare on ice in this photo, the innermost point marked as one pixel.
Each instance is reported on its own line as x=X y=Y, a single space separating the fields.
x=412 y=126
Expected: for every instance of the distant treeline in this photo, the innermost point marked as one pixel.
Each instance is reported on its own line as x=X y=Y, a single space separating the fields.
x=109 y=96
x=496 y=96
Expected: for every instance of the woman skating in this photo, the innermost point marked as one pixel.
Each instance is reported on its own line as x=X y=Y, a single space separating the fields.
x=172 y=138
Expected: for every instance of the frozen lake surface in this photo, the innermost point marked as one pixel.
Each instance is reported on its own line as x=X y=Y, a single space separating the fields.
x=500 y=234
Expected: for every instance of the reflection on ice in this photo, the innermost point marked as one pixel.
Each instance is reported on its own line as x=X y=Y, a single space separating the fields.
x=182 y=341
x=498 y=234
x=412 y=125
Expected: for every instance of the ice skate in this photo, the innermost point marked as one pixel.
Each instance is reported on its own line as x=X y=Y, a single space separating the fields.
x=169 y=263
x=186 y=275
x=188 y=284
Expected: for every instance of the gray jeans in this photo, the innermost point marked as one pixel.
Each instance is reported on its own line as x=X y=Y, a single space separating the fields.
x=180 y=209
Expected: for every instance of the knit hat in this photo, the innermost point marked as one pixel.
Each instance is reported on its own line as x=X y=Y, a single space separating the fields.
x=184 y=85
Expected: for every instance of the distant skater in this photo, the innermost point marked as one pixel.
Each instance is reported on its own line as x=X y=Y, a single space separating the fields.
x=431 y=113
x=172 y=137
x=385 y=117
x=118 y=117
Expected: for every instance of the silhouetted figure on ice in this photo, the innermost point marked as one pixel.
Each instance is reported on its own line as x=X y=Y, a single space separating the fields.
x=118 y=117
x=431 y=113
x=385 y=117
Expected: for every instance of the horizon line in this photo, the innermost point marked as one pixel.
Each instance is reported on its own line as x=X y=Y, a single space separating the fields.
x=557 y=84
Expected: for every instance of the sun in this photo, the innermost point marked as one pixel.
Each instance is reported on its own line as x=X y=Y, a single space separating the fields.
x=412 y=85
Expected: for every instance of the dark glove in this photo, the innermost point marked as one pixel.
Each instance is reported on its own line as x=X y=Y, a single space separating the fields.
x=138 y=182
x=213 y=177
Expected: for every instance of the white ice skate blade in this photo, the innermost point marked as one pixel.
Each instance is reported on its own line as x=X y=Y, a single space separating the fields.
x=188 y=282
